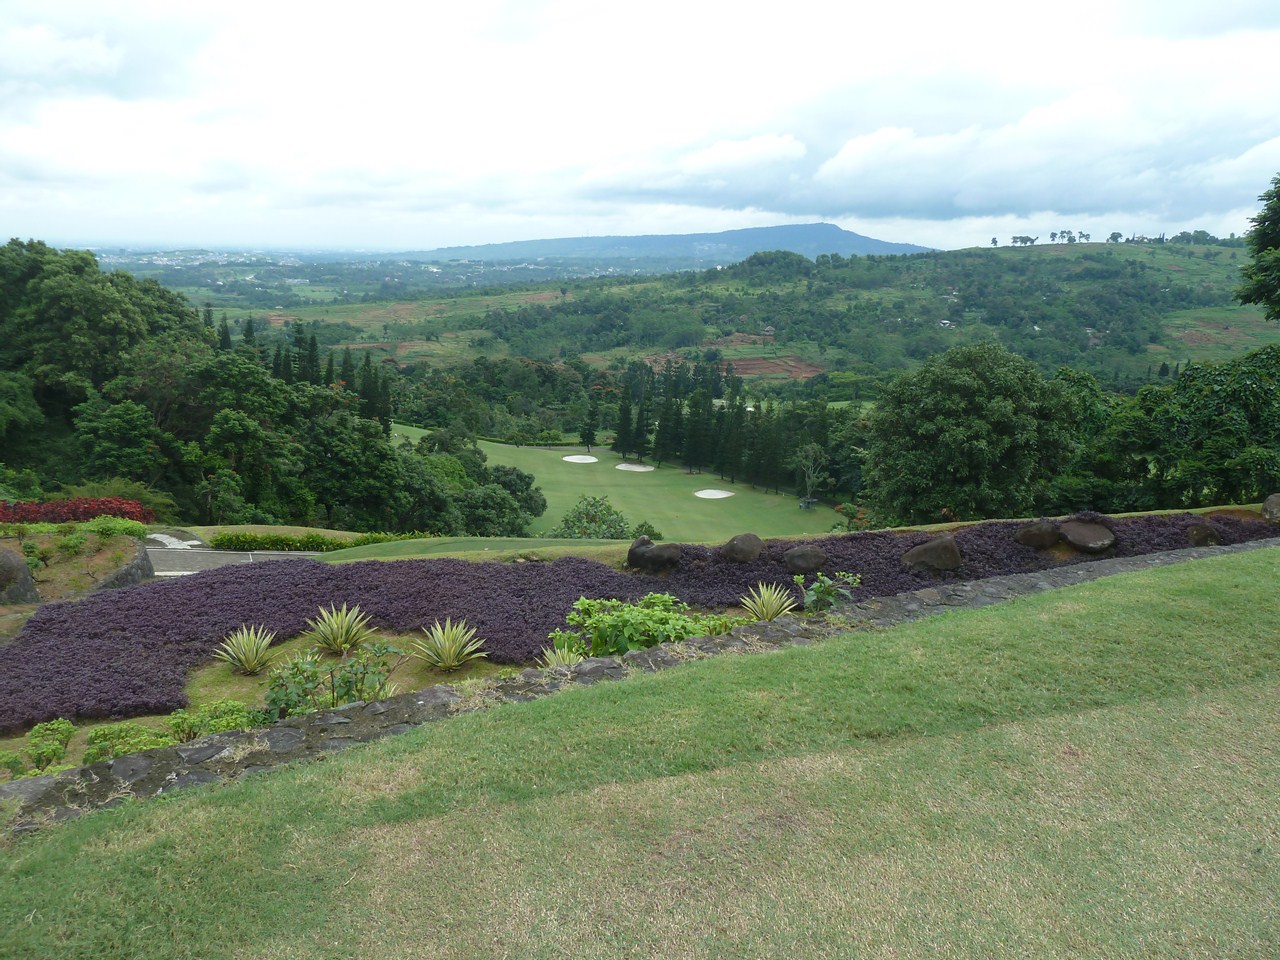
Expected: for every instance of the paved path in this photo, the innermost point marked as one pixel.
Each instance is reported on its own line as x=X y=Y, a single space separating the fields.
x=178 y=562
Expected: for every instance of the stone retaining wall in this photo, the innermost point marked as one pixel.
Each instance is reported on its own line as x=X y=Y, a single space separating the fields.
x=135 y=571
x=54 y=797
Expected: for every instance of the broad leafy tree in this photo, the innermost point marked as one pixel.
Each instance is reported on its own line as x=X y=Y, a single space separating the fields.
x=1262 y=275
x=974 y=432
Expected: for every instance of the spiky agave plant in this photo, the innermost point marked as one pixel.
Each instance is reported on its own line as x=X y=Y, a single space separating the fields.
x=566 y=649
x=448 y=646
x=339 y=631
x=247 y=649
x=768 y=601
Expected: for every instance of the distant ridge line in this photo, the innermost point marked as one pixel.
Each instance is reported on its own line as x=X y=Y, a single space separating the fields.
x=728 y=246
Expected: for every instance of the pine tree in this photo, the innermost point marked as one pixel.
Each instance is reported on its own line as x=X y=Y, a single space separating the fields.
x=224 y=335
x=622 y=442
x=640 y=435
x=329 y=373
x=731 y=447
x=698 y=426
x=312 y=363
x=669 y=438
x=592 y=422
x=250 y=339
x=347 y=372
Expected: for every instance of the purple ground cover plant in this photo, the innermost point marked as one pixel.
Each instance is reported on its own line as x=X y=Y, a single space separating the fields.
x=128 y=652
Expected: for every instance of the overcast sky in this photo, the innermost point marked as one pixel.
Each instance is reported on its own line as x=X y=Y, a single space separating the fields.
x=419 y=125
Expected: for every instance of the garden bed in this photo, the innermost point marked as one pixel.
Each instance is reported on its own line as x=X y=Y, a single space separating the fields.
x=130 y=652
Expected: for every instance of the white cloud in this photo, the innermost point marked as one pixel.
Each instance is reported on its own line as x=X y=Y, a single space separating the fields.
x=383 y=124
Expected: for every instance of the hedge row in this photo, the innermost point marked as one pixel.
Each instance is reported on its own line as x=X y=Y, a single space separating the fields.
x=74 y=510
x=308 y=542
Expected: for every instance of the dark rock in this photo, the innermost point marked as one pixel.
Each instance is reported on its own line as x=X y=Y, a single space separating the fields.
x=1087 y=536
x=744 y=548
x=806 y=558
x=597 y=668
x=650 y=660
x=652 y=557
x=1040 y=535
x=27 y=789
x=131 y=768
x=193 y=778
x=284 y=739
x=16 y=585
x=432 y=703
x=197 y=754
x=939 y=553
x=1202 y=535
x=1271 y=508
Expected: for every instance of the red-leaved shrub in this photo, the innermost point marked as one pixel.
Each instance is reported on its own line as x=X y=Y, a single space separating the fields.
x=76 y=510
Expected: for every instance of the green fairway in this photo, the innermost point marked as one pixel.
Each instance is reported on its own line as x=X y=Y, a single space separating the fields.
x=1088 y=772
x=664 y=497
x=483 y=548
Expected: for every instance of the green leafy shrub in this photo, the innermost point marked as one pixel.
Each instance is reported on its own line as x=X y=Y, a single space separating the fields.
x=71 y=545
x=593 y=518
x=449 y=645
x=339 y=631
x=307 y=542
x=13 y=762
x=247 y=649
x=46 y=745
x=117 y=739
x=216 y=717
x=108 y=527
x=768 y=601
x=305 y=684
x=825 y=591
x=612 y=627
x=645 y=529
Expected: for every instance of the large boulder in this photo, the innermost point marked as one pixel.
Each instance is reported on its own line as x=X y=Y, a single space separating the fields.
x=1087 y=536
x=1202 y=535
x=16 y=585
x=1271 y=508
x=652 y=557
x=744 y=548
x=938 y=553
x=804 y=559
x=1040 y=535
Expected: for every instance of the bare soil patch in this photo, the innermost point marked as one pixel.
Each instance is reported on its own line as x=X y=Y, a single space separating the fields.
x=794 y=368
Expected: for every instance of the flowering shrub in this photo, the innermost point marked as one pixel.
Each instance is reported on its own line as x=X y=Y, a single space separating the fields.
x=129 y=651
x=77 y=508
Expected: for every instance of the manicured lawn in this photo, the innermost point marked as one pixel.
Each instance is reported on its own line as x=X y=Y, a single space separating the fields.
x=663 y=497
x=1089 y=772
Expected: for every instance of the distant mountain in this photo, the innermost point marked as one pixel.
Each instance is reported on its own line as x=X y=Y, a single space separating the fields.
x=729 y=246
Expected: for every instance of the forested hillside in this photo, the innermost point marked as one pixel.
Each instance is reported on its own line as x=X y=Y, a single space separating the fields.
x=228 y=413
x=107 y=382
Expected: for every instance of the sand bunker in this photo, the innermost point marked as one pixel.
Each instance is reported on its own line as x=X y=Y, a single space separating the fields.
x=713 y=494
x=634 y=467
x=579 y=458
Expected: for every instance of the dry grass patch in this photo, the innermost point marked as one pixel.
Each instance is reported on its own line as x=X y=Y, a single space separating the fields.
x=1121 y=832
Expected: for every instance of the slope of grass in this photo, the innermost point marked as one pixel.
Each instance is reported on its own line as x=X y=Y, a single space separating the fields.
x=1083 y=773
x=663 y=497
x=484 y=548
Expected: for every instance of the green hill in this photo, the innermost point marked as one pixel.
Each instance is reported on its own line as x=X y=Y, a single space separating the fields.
x=1088 y=772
